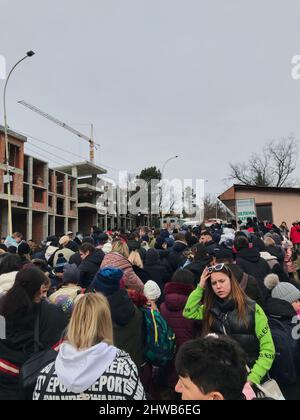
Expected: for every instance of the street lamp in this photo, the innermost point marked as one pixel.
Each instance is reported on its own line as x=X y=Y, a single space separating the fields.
x=162 y=177
x=28 y=55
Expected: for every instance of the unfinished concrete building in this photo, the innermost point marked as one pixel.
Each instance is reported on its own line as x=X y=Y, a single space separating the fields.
x=48 y=201
x=86 y=174
x=44 y=201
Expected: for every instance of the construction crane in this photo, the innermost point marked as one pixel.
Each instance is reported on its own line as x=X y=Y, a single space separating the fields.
x=91 y=141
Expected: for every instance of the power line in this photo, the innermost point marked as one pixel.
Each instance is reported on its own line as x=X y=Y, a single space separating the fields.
x=43 y=157
x=44 y=150
x=64 y=150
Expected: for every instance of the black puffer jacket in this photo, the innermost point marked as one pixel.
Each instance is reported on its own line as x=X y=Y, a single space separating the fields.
x=89 y=267
x=128 y=325
x=251 y=263
x=226 y=315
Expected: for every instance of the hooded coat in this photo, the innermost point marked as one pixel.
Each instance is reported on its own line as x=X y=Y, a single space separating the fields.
x=101 y=372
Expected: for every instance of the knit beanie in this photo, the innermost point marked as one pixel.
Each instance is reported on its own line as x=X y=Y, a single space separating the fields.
x=107 y=281
x=152 y=290
x=284 y=291
x=71 y=274
x=60 y=264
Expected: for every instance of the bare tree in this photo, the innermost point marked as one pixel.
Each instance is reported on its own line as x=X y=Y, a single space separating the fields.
x=273 y=167
x=213 y=208
x=284 y=157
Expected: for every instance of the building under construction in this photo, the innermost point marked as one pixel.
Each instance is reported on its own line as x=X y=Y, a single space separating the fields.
x=48 y=201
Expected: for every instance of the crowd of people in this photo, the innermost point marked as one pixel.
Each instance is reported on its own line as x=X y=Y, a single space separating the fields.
x=201 y=313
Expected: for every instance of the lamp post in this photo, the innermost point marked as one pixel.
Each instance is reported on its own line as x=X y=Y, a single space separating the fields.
x=162 y=177
x=28 y=55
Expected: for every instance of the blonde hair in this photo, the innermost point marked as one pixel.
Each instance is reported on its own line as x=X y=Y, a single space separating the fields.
x=135 y=259
x=121 y=248
x=91 y=322
x=269 y=241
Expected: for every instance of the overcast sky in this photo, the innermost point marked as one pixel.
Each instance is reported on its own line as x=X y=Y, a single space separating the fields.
x=209 y=80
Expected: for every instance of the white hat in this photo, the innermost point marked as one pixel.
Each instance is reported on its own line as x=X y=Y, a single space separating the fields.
x=107 y=248
x=151 y=290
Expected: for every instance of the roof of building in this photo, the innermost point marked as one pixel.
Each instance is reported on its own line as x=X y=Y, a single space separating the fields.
x=229 y=194
x=85 y=168
x=13 y=134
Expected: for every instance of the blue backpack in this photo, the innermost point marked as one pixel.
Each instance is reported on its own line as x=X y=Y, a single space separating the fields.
x=284 y=369
x=160 y=345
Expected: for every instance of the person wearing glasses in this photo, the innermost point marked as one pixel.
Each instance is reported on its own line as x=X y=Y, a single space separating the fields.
x=224 y=309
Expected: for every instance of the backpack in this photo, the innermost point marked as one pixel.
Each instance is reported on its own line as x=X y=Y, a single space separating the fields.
x=284 y=369
x=160 y=345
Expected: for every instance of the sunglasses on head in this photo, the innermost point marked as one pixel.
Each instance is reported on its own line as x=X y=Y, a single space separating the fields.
x=216 y=268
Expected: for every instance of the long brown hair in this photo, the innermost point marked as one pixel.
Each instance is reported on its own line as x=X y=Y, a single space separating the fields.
x=237 y=295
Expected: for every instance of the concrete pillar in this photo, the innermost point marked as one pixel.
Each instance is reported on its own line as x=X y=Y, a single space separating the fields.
x=66 y=205
x=30 y=180
x=29 y=225
x=4 y=220
x=52 y=225
x=45 y=226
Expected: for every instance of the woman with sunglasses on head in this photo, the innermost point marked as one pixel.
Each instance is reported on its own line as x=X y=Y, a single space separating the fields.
x=225 y=310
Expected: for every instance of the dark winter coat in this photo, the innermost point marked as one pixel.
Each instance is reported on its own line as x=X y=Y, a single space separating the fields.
x=155 y=269
x=226 y=315
x=277 y=252
x=73 y=246
x=128 y=325
x=251 y=288
x=176 y=296
x=197 y=267
x=280 y=309
x=141 y=273
x=75 y=259
x=175 y=258
x=89 y=267
x=211 y=246
x=18 y=346
x=251 y=263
